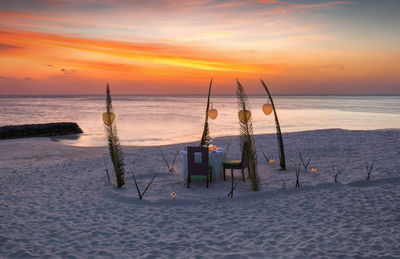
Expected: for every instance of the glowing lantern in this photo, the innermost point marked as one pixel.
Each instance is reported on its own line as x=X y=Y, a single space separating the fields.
x=214 y=147
x=173 y=195
x=267 y=108
x=314 y=170
x=212 y=114
x=272 y=161
x=108 y=118
x=244 y=117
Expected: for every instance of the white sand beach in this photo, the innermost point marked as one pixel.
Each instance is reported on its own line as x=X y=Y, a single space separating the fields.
x=55 y=201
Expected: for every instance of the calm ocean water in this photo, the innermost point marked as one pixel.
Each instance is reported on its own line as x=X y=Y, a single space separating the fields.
x=159 y=120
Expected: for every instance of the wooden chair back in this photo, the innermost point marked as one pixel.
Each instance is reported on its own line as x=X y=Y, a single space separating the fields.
x=195 y=167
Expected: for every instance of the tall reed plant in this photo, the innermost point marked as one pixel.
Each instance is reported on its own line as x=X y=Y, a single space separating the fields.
x=114 y=147
x=278 y=130
x=205 y=138
x=246 y=136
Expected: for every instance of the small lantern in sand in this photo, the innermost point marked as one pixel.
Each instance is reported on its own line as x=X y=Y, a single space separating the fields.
x=272 y=161
x=314 y=170
x=283 y=185
x=212 y=114
x=108 y=118
x=267 y=108
x=173 y=195
x=244 y=117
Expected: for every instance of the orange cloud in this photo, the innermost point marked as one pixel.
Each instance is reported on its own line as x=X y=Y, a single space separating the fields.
x=114 y=59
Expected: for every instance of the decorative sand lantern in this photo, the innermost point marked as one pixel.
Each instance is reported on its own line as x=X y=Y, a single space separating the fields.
x=108 y=118
x=272 y=161
x=244 y=116
x=313 y=169
x=173 y=195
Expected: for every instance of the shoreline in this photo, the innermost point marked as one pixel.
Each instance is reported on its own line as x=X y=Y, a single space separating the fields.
x=63 y=139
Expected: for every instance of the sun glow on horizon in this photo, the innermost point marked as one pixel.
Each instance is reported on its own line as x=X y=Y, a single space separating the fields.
x=168 y=47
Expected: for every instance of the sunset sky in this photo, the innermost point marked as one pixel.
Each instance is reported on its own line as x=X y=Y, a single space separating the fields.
x=175 y=47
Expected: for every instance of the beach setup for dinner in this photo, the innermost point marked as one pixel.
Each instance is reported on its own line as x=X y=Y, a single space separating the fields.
x=199 y=129
x=338 y=196
x=205 y=161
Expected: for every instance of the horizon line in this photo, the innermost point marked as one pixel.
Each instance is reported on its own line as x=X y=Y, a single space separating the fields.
x=194 y=94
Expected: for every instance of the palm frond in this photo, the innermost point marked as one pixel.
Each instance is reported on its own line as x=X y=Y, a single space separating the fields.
x=114 y=147
x=278 y=130
x=205 y=138
x=247 y=141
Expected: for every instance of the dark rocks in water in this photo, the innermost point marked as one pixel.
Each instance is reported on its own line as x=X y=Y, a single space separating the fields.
x=39 y=130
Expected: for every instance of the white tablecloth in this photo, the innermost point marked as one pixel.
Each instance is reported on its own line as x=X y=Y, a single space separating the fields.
x=215 y=159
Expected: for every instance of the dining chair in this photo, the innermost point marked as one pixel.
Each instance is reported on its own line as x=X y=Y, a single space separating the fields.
x=238 y=164
x=198 y=164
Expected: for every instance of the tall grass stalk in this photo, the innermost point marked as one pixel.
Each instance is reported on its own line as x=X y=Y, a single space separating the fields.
x=278 y=130
x=205 y=138
x=247 y=138
x=114 y=147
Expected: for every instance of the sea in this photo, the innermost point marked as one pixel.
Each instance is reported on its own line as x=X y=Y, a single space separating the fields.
x=152 y=120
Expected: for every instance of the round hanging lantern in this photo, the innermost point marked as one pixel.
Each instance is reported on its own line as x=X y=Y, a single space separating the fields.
x=267 y=108
x=212 y=114
x=244 y=117
x=108 y=118
x=173 y=195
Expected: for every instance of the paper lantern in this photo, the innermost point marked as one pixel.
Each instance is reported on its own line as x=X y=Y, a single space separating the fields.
x=212 y=114
x=244 y=117
x=173 y=195
x=267 y=108
x=214 y=147
x=314 y=170
x=108 y=118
